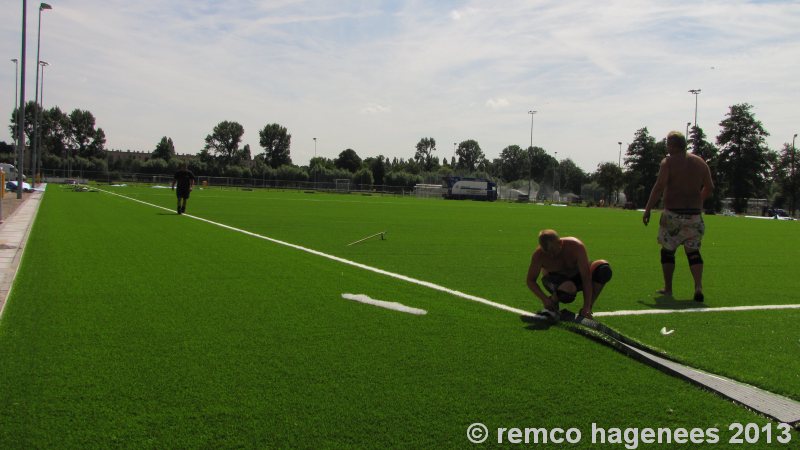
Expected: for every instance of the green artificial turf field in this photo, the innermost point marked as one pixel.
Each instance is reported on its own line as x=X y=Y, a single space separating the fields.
x=131 y=326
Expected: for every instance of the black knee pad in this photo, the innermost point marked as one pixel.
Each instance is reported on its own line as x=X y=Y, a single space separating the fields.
x=667 y=257
x=602 y=273
x=694 y=258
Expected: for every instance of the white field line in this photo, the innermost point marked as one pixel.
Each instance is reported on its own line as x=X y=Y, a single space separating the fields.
x=440 y=288
x=643 y=312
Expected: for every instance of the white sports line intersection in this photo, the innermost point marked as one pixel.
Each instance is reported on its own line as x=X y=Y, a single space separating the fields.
x=772 y=405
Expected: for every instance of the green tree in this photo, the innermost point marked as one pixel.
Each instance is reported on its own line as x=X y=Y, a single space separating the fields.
x=710 y=154
x=609 y=177
x=276 y=142
x=424 y=154
x=744 y=156
x=787 y=177
x=514 y=163
x=402 y=179
x=223 y=142
x=642 y=160
x=377 y=165
x=165 y=149
x=30 y=111
x=363 y=178
x=541 y=163
x=348 y=160
x=83 y=137
x=244 y=154
x=469 y=155
x=572 y=177
x=54 y=134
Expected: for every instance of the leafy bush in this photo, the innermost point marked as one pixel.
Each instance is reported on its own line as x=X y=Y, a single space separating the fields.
x=363 y=177
x=402 y=178
x=291 y=173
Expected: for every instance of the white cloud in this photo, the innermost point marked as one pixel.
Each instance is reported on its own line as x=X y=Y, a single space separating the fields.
x=497 y=103
x=375 y=108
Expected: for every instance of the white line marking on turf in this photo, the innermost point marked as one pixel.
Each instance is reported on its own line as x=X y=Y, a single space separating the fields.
x=361 y=298
x=453 y=292
x=642 y=312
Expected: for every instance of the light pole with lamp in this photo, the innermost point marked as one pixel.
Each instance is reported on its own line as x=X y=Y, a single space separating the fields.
x=21 y=109
x=696 y=93
x=37 y=164
x=16 y=93
x=555 y=179
x=455 y=145
x=619 y=161
x=316 y=162
x=530 y=158
x=794 y=187
x=35 y=146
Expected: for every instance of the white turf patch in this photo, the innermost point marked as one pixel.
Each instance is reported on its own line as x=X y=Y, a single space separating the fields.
x=361 y=298
x=439 y=288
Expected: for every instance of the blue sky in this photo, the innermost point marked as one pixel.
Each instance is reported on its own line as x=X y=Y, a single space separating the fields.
x=376 y=76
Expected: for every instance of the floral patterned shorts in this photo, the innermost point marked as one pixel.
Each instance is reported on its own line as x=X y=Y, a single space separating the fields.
x=680 y=229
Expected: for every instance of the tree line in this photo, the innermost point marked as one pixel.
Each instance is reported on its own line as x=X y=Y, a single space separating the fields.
x=742 y=164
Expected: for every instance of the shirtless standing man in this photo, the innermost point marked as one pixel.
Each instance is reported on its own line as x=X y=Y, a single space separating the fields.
x=567 y=270
x=684 y=179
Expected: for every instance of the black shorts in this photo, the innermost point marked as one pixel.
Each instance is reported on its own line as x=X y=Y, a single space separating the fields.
x=552 y=281
x=601 y=274
x=183 y=193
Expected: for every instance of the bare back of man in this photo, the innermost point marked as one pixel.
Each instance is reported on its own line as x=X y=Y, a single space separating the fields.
x=686 y=176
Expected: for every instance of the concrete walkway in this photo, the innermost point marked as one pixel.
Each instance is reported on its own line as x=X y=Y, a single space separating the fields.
x=14 y=233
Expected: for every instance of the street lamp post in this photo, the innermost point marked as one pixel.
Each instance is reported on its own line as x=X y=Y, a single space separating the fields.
x=16 y=92
x=37 y=164
x=696 y=93
x=555 y=177
x=35 y=149
x=619 y=162
x=530 y=158
x=794 y=187
x=316 y=162
x=21 y=109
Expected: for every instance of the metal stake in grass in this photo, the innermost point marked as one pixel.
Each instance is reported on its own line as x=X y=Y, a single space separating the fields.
x=382 y=234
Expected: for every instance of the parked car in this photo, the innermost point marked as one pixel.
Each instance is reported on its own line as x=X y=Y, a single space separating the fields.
x=10 y=171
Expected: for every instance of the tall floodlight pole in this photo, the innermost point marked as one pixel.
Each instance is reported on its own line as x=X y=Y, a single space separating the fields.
x=316 y=162
x=794 y=186
x=21 y=109
x=554 y=173
x=530 y=158
x=35 y=146
x=696 y=93
x=619 y=161
x=16 y=93
x=37 y=164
